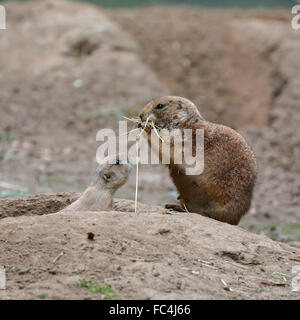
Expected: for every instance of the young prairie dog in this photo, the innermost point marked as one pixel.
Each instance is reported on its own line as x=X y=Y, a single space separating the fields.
x=223 y=191
x=99 y=195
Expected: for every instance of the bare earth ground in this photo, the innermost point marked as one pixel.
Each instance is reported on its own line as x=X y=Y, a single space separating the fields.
x=149 y=255
x=70 y=69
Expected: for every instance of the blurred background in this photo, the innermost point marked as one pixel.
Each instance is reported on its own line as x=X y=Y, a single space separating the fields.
x=204 y=3
x=69 y=69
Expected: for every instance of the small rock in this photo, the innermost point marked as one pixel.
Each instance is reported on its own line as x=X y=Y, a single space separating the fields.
x=163 y=231
x=90 y=236
x=77 y=83
x=23 y=271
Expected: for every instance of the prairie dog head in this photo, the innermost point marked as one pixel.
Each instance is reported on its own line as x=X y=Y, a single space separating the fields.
x=112 y=176
x=169 y=112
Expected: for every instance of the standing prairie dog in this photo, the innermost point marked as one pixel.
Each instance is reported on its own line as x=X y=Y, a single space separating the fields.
x=223 y=191
x=98 y=196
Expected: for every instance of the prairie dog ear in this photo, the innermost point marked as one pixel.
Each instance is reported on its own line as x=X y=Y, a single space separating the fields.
x=106 y=177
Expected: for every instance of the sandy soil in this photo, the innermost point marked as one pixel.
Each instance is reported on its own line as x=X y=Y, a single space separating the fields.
x=70 y=69
x=149 y=255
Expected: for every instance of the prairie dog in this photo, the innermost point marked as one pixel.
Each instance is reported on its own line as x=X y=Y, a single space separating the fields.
x=223 y=191
x=98 y=196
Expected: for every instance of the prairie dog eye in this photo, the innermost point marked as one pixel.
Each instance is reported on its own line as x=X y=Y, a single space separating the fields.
x=159 y=106
x=118 y=162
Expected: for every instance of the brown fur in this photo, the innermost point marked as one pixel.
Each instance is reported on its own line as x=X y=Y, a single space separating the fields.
x=224 y=190
x=98 y=196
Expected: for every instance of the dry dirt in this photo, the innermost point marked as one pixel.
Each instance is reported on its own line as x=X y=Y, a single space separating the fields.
x=70 y=69
x=149 y=255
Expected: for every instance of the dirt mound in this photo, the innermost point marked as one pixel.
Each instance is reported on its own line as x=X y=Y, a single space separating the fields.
x=148 y=255
x=41 y=204
x=36 y=205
